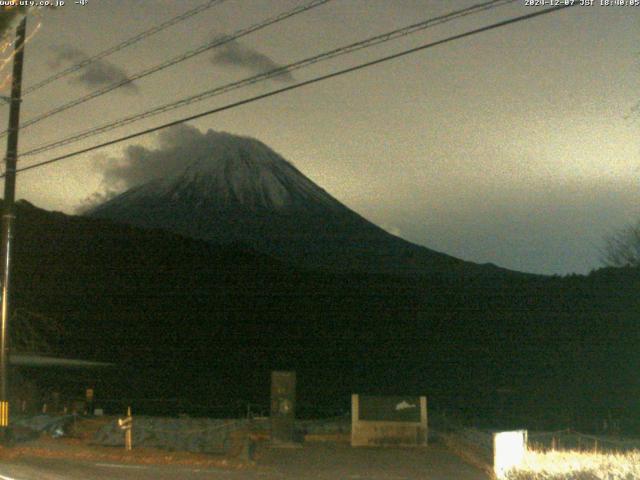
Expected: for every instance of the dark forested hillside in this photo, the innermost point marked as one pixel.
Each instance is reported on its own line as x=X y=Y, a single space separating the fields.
x=187 y=319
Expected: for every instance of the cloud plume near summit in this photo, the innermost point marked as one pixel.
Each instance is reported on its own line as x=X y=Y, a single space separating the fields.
x=176 y=146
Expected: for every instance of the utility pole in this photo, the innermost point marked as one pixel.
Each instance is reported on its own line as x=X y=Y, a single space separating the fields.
x=8 y=218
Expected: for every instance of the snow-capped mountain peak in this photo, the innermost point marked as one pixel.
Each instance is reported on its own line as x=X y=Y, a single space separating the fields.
x=236 y=172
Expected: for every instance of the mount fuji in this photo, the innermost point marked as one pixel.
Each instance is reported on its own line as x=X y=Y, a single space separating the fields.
x=243 y=192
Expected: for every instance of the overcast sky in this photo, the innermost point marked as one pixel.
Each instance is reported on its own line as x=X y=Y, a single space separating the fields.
x=517 y=146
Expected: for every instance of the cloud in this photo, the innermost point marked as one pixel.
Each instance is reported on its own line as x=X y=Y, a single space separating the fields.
x=177 y=146
x=97 y=74
x=234 y=54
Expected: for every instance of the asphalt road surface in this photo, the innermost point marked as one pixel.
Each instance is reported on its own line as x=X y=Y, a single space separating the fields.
x=311 y=461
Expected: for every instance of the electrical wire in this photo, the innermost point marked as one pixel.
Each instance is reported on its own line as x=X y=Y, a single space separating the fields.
x=372 y=41
x=299 y=85
x=169 y=63
x=126 y=43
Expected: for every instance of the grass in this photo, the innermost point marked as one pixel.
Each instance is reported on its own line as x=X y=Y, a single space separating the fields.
x=578 y=465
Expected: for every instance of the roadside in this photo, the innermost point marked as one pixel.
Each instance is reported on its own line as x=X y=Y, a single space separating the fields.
x=49 y=458
x=318 y=461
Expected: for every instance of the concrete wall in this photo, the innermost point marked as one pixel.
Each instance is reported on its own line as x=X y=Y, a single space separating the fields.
x=181 y=434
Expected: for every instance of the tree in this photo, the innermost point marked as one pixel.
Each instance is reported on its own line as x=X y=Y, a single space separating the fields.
x=622 y=249
x=7 y=15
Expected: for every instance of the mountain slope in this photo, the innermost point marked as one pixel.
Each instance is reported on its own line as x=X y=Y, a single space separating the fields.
x=244 y=192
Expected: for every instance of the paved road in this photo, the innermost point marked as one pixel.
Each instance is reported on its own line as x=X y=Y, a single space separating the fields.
x=56 y=469
x=313 y=461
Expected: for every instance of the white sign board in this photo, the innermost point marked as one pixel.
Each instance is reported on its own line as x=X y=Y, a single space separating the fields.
x=508 y=451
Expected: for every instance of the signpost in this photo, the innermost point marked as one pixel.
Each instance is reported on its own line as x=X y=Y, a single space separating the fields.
x=283 y=407
x=126 y=424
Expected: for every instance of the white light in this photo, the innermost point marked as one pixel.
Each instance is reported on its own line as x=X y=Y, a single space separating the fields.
x=508 y=451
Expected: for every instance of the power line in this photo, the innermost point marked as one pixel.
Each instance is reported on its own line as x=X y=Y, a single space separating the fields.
x=372 y=41
x=298 y=85
x=185 y=56
x=126 y=43
x=169 y=63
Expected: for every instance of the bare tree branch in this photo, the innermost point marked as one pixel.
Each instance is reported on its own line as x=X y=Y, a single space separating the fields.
x=622 y=249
